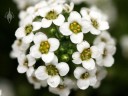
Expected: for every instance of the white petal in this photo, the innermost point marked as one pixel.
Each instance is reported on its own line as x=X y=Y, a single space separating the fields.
x=54 y=61
x=78 y=72
x=103 y=25
x=22 y=69
x=64 y=29
x=95 y=31
x=34 y=51
x=63 y=68
x=31 y=60
x=46 y=23
x=83 y=45
x=83 y=84
x=30 y=71
x=77 y=38
x=43 y=11
x=89 y=64
x=54 y=44
x=58 y=8
x=74 y=16
x=21 y=59
x=29 y=38
x=20 y=32
x=93 y=80
x=59 y=21
x=76 y=58
x=108 y=61
x=95 y=52
x=39 y=37
x=36 y=25
x=47 y=58
x=41 y=73
x=53 y=81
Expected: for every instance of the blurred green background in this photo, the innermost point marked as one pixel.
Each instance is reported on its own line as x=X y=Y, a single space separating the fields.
x=115 y=84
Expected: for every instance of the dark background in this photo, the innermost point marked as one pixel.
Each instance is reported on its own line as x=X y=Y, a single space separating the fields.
x=115 y=84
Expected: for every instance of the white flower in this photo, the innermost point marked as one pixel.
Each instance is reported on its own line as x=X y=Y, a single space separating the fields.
x=18 y=47
x=100 y=75
x=44 y=47
x=96 y=19
x=63 y=89
x=75 y=27
x=25 y=32
x=106 y=57
x=26 y=64
x=51 y=14
x=36 y=82
x=85 y=78
x=68 y=8
x=52 y=72
x=85 y=55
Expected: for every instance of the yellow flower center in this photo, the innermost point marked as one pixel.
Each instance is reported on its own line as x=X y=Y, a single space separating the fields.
x=44 y=47
x=28 y=29
x=52 y=70
x=75 y=27
x=51 y=15
x=86 y=54
x=95 y=23
x=85 y=75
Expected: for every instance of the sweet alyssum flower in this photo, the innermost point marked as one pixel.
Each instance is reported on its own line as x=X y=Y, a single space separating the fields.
x=84 y=77
x=75 y=27
x=44 y=47
x=96 y=19
x=52 y=72
x=85 y=55
x=51 y=14
x=63 y=89
x=26 y=64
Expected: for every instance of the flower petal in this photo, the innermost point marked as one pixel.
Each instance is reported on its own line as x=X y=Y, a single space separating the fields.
x=103 y=25
x=29 y=38
x=59 y=21
x=20 y=32
x=95 y=52
x=31 y=60
x=39 y=37
x=34 y=51
x=64 y=29
x=108 y=61
x=22 y=69
x=41 y=73
x=78 y=72
x=74 y=16
x=36 y=25
x=63 y=68
x=47 y=58
x=89 y=64
x=83 y=45
x=53 y=81
x=77 y=38
x=54 y=44
x=46 y=23
x=93 y=80
x=30 y=71
x=83 y=84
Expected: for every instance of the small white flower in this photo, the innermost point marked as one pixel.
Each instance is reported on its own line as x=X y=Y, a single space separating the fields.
x=68 y=8
x=100 y=75
x=75 y=27
x=85 y=78
x=63 y=89
x=25 y=32
x=106 y=57
x=51 y=14
x=96 y=19
x=44 y=47
x=52 y=72
x=85 y=55
x=26 y=64
x=36 y=82
x=18 y=47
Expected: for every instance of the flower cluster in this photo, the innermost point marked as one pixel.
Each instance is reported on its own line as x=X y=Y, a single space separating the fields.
x=53 y=48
